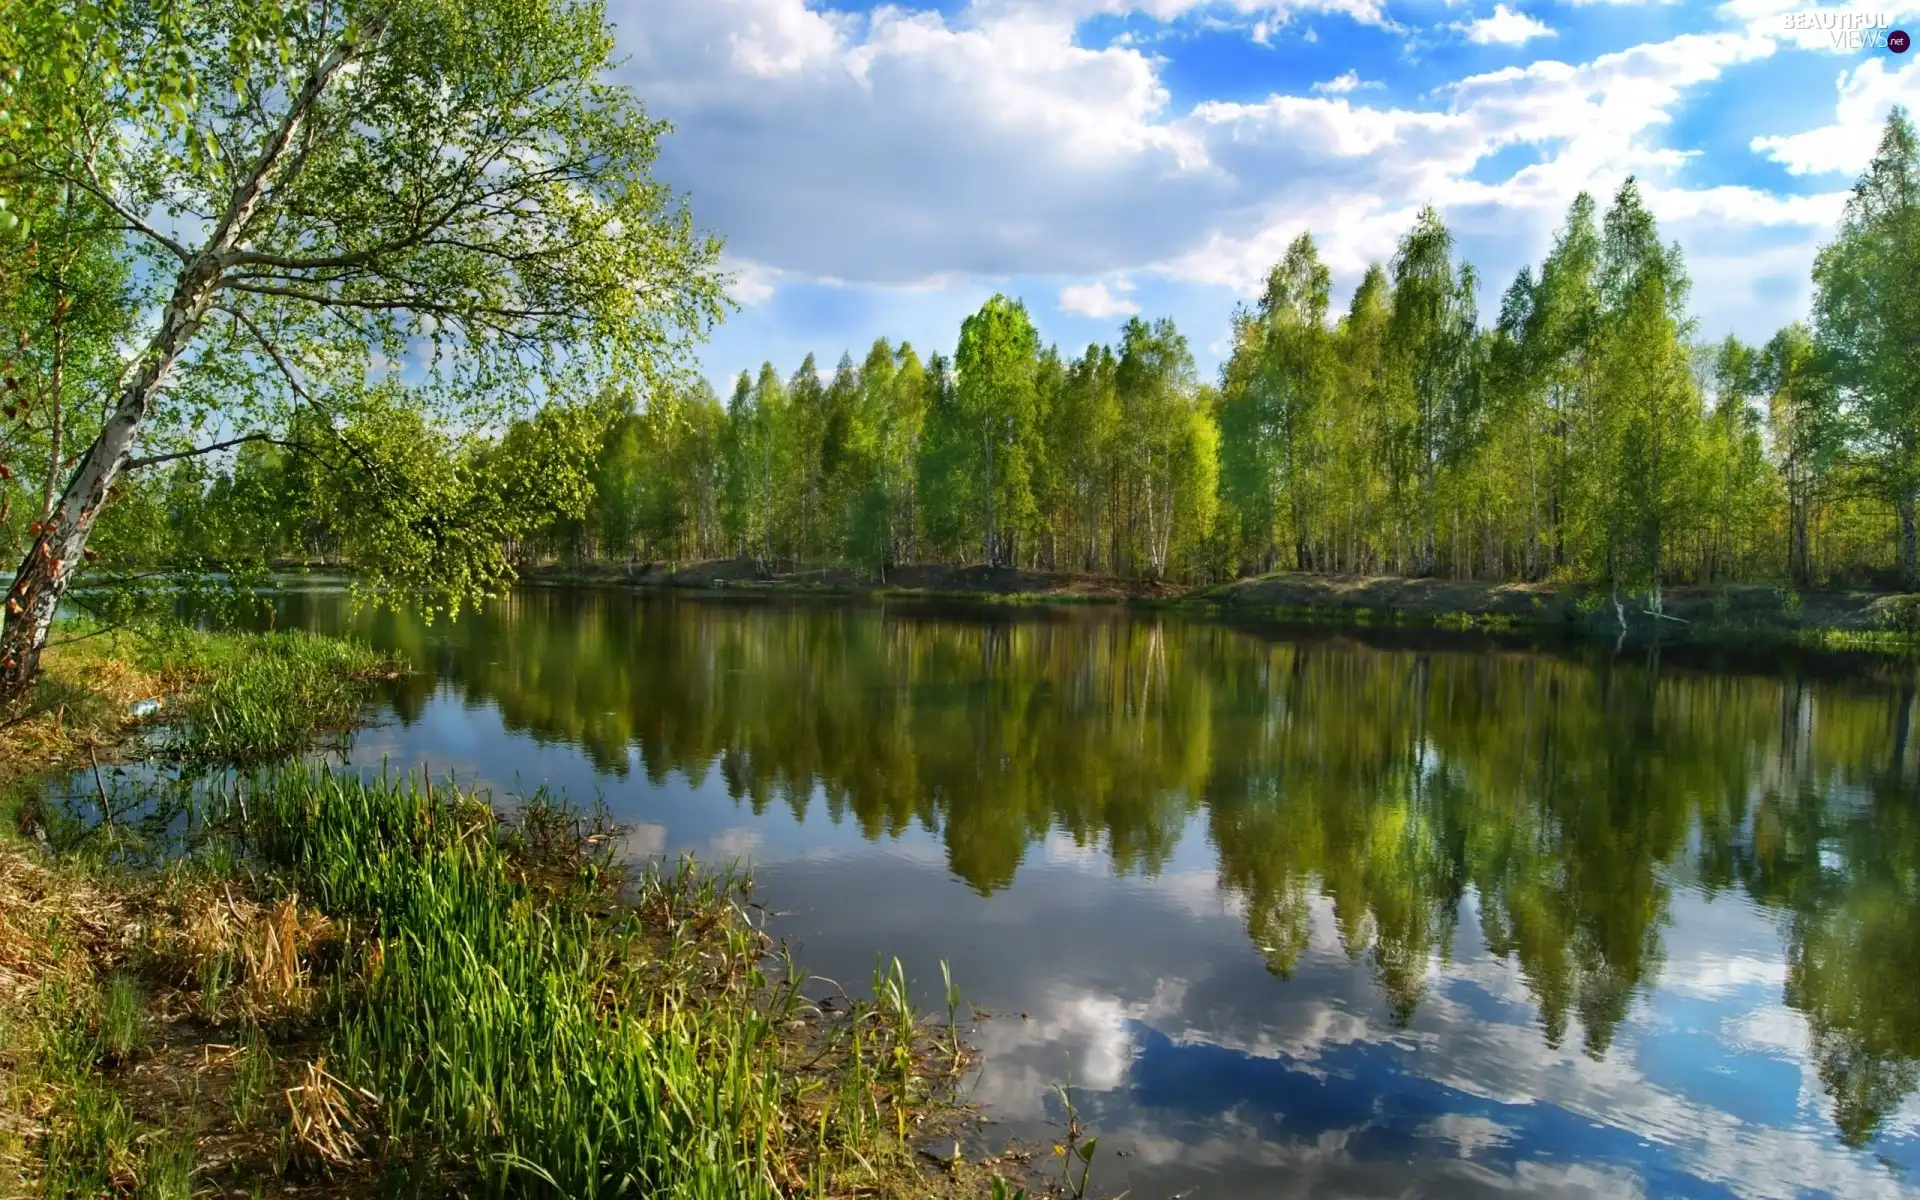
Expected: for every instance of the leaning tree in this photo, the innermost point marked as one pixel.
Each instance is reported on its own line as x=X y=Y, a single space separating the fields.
x=255 y=208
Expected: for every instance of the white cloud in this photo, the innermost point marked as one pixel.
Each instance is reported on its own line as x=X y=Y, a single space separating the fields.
x=1744 y=206
x=1470 y=1133
x=734 y=845
x=750 y=282
x=1710 y=976
x=779 y=39
x=1506 y=27
x=906 y=148
x=643 y=840
x=1095 y=1029
x=1365 y=12
x=1594 y=123
x=1846 y=145
x=1346 y=81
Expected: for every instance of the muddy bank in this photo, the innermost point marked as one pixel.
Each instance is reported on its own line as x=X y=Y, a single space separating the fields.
x=1731 y=613
x=1688 y=611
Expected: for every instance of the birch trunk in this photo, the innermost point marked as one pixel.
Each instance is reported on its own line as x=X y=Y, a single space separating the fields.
x=60 y=541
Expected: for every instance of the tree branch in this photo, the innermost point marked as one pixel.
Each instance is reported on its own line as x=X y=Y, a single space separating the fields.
x=133 y=221
x=273 y=351
x=134 y=464
x=412 y=304
x=286 y=369
x=354 y=258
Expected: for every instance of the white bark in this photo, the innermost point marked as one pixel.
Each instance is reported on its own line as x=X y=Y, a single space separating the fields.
x=61 y=543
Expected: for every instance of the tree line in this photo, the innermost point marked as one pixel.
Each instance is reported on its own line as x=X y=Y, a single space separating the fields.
x=1582 y=433
x=222 y=226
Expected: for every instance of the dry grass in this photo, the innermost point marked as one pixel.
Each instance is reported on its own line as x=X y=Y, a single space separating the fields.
x=77 y=713
x=200 y=957
x=221 y=955
x=38 y=905
x=58 y=925
x=324 y=1114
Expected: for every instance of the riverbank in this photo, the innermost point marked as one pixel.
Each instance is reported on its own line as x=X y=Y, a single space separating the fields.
x=243 y=985
x=1729 y=614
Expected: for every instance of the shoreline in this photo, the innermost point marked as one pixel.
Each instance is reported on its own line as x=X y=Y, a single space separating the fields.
x=198 y=988
x=1751 y=615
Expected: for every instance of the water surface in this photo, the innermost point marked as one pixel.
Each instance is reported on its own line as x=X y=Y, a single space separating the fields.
x=1293 y=914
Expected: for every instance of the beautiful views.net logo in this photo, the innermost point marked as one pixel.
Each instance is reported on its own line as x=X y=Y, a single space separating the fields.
x=1851 y=30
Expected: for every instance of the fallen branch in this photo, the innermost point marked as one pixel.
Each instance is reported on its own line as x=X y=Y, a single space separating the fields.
x=106 y=808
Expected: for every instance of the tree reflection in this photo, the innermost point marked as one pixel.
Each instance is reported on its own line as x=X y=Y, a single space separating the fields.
x=1561 y=798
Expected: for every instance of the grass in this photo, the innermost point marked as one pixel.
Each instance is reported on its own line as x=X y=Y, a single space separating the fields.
x=248 y=978
x=226 y=697
x=265 y=696
x=549 y=1039
x=402 y=989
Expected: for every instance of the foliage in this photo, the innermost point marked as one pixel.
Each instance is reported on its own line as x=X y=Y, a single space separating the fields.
x=995 y=402
x=270 y=696
x=1866 y=307
x=1584 y=435
x=335 y=227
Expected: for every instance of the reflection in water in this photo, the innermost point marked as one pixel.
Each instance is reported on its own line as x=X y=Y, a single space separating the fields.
x=1397 y=800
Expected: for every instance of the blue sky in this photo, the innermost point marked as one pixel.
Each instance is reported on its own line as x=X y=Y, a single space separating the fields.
x=879 y=170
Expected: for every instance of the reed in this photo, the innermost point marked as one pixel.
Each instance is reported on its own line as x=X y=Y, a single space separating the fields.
x=266 y=697
x=516 y=1003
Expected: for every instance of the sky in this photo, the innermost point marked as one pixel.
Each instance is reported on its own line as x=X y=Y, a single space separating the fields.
x=881 y=170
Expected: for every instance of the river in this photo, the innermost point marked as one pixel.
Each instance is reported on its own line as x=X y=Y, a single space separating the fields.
x=1292 y=913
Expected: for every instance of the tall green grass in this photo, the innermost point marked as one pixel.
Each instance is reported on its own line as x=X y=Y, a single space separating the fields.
x=517 y=1035
x=264 y=697
x=508 y=1009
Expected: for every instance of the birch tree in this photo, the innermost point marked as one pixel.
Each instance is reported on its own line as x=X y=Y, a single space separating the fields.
x=1649 y=409
x=1808 y=435
x=315 y=188
x=1431 y=339
x=995 y=395
x=1866 y=316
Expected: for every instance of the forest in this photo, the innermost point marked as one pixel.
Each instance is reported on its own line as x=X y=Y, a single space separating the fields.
x=1583 y=433
x=443 y=367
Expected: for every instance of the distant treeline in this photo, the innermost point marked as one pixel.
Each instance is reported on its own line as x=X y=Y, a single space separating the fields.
x=1583 y=433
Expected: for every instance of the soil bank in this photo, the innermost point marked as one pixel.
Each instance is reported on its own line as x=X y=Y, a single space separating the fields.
x=1730 y=612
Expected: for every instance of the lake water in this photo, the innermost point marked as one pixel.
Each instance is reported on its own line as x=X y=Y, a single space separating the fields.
x=1292 y=913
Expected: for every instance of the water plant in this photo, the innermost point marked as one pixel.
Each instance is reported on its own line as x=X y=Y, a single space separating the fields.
x=517 y=1003
x=265 y=698
x=1074 y=1148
